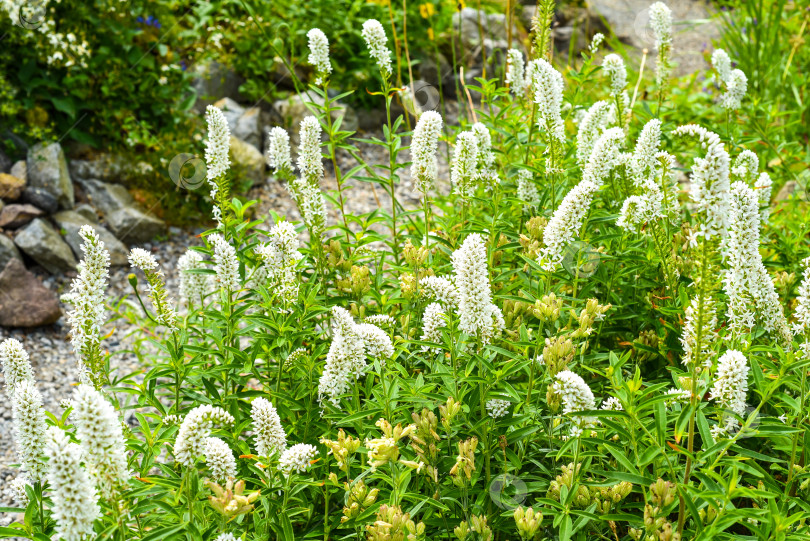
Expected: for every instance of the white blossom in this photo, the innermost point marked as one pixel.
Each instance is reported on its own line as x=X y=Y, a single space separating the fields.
x=526 y=189
x=16 y=365
x=497 y=408
x=575 y=396
x=736 y=87
x=613 y=65
x=226 y=537
x=661 y=24
x=194 y=287
x=74 y=504
x=433 y=321
x=219 y=459
x=440 y=289
x=515 y=68
x=565 y=223
x=164 y=312
x=377 y=43
x=319 y=55
x=378 y=343
x=194 y=431
x=802 y=313
x=278 y=150
x=547 y=87
x=270 y=435
x=485 y=159
x=591 y=127
x=722 y=63
x=98 y=429
x=478 y=316
x=423 y=150
x=746 y=166
x=87 y=297
x=216 y=153
x=297 y=458
x=604 y=157
x=731 y=385
x=612 y=404
x=381 y=320
x=763 y=187
x=463 y=170
x=596 y=42
x=696 y=342
x=310 y=160
x=226 y=264
x=17 y=487
x=29 y=429
x=710 y=181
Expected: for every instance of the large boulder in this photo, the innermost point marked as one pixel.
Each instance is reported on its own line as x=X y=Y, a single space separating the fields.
x=125 y=218
x=19 y=170
x=243 y=123
x=7 y=251
x=40 y=199
x=14 y=216
x=40 y=241
x=110 y=168
x=213 y=81
x=11 y=187
x=70 y=222
x=248 y=162
x=47 y=169
x=24 y=301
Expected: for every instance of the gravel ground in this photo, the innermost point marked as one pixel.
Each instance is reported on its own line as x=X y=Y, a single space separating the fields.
x=51 y=354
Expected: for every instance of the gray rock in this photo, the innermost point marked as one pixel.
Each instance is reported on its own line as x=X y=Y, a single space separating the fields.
x=127 y=220
x=7 y=251
x=214 y=81
x=431 y=72
x=87 y=212
x=14 y=216
x=40 y=199
x=248 y=162
x=20 y=170
x=48 y=169
x=293 y=110
x=43 y=244
x=243 y=123
x=71 y=222
x=110 y=168
x=230 y=110
x=24 y=301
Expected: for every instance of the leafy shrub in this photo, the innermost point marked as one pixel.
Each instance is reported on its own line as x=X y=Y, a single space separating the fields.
x=563 y=347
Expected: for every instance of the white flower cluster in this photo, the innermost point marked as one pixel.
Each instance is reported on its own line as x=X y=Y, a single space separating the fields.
x=87 y=297
x=346 y=360
x=74 y=499
x=29 y=429
x=377 y=43
x=306 y=189
x=463 y=170
x=604 y=157
x=297 y=458
x=16 y=365
x=747 y=279
x=439 y=289
x=485 y=160
x=575 y=396
x=547 y=87
x=381 y=320
x=710 y=180
x=216 y=153
x=596 y=42
x=226 y=264
x=423 y=151
x=612 y=404
x=478 y=316
x=433 y=321
x=526 y=189
x=17 y=487
x=194 y=431
x=735 y=81
x=746 y=166
x=278 y=150
x=661 y=24
x=98 y=428
x=565 y=223
x=763 y=187
x=219 y=459
x=194 y=287
x=616 y=71
x=731 y=385
x=280 y=257
x=270 y=435
x=497 y=408
x=647 y=204
x=591 y=127
x=164 y=312
x=319 y=55
x=707 y=323
x=515 y=72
